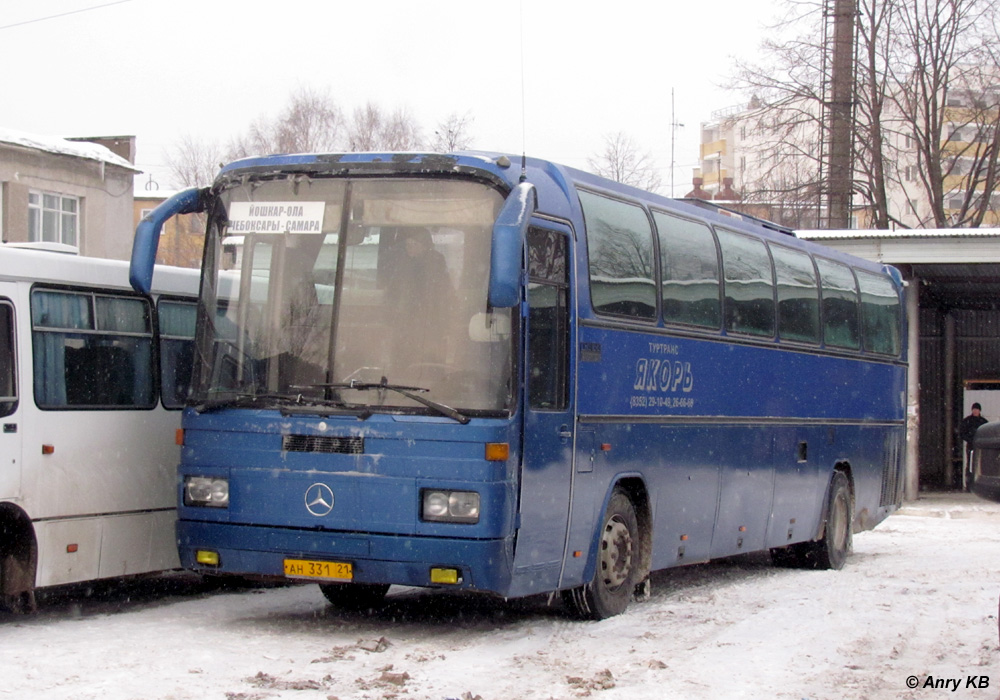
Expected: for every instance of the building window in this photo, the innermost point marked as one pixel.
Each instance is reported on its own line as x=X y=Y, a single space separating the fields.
x=53 y=218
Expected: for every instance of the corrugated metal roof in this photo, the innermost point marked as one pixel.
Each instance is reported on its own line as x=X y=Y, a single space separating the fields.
x=829 y=234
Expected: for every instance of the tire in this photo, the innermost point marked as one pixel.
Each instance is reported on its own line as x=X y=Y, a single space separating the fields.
x=829 y=551
x=832 y=549
x=18 y=604
x=17 y=576
x=618 y=564
x=354 y=596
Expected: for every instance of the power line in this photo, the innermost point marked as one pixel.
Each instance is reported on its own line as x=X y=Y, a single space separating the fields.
x=64 y=14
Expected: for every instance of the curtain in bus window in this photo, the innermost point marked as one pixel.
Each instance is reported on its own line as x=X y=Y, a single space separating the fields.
x=880 y=314
x=689 y=272
x=798 y=295
x=54 y=310
x=177 y=319
x=126 y=316
x=177 y=325
x=620 y=249
x=122 y=315
x=83 y=359
x=749 y=287
x=840 y=305
x=61 y=310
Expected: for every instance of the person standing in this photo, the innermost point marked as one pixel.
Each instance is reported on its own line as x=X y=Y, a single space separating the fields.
x=967 y=431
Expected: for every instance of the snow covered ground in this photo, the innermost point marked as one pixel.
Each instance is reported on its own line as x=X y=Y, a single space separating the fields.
x=916 y=603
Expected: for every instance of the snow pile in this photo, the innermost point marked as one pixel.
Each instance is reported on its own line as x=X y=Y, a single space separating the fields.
x=916 y=604
x=55 y=144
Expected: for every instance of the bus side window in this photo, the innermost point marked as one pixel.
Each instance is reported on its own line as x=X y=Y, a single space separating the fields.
x=620 y=251
x=749 y=285
x=91 y=350
x=880 y=314
x=548 y=319
x=689 y=267
x=8 y=375
x=840 y=305
x=177 y=322
x=798 y=295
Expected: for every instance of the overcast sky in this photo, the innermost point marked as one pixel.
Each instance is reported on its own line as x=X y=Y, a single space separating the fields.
x=160 y=69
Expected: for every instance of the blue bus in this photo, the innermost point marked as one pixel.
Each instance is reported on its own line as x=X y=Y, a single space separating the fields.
x=468 y=372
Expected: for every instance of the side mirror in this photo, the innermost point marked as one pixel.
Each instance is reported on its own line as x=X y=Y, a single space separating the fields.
x=508 y=243
x=147 y=234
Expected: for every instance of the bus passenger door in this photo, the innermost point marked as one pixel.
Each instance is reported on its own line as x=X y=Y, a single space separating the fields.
x=10 y=413
x=547 y=456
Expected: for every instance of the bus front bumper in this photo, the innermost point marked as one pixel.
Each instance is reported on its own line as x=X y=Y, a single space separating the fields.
x=482 y=565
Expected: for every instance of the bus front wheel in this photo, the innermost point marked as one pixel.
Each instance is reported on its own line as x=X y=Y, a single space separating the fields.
x=354 y=596
x=618 y=564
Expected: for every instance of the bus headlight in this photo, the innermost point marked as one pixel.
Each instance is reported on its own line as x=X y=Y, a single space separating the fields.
x=209 y=492
x=443 y=506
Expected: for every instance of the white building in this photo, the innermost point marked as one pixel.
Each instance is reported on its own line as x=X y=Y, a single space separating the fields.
x=73 y=194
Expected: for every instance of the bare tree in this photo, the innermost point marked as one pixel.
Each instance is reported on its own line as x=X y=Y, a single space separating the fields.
x=310 y=122
x=946 y=73
x=371 y=129
x=925 y=109
x=453 y=134
x=622 y=161
x=401 y=131
x=193 y=162
x=365 y=128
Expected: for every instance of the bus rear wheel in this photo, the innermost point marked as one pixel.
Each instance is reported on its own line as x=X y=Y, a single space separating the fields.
x=829 y=551
x=618 y=564
x=354 y=596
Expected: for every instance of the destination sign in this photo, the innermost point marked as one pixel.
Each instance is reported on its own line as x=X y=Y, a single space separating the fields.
x=276 y=217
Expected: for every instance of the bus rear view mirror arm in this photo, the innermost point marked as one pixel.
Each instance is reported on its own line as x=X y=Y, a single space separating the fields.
x=147 y=234
x=508 y=244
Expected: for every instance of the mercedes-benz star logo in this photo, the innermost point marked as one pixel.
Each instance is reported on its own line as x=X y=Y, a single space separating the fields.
x=319 y=499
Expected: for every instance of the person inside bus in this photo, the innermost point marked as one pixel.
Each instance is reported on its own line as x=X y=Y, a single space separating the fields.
x=420 y=291
x=967 y=431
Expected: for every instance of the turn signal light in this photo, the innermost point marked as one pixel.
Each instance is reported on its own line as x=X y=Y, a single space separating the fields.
x=206 y=557
x=497 y=451
x=442 y=575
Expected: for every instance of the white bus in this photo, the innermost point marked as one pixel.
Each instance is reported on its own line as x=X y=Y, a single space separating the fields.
x=92 y=380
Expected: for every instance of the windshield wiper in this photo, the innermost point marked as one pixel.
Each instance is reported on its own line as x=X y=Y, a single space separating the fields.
x=407 y=391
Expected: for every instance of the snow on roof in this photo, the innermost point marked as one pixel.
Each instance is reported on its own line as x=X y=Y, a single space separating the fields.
x=828 y=234
x=56 y=144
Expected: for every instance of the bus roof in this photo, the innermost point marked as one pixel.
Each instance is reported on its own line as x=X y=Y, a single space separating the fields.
x=555 y=185
x=38 y=265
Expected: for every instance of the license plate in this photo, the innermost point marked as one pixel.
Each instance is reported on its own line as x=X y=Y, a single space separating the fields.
x=305 y=568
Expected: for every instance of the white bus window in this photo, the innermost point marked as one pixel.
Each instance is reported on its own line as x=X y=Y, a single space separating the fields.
x=8 y=381
x=91 y=351
x=177 y=322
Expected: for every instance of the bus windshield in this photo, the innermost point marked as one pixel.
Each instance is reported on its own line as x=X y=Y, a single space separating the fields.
x=367 y=294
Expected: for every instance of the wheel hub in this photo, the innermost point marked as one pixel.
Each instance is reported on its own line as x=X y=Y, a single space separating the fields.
x=616 y=553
